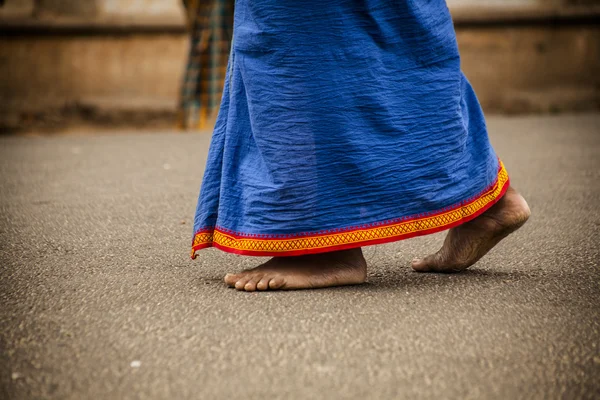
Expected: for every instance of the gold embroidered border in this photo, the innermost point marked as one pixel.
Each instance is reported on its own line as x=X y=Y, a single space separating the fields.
x=380 y=233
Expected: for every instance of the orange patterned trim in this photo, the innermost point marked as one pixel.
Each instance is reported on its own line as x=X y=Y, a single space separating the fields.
x=292 y=245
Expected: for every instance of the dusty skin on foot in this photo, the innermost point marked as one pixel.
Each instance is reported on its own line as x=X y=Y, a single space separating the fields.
x=464 y=245
x=337 y=268
x=467 y=243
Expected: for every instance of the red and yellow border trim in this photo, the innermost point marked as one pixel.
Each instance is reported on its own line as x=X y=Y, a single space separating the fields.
x=365 y=235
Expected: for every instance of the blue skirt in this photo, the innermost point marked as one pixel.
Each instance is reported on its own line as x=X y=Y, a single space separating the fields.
x=343 y=123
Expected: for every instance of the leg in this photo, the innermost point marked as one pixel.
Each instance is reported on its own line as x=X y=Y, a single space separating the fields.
x=346 y=267
x=468 y=242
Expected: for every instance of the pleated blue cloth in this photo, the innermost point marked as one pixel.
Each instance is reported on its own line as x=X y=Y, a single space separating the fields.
x=343 y=123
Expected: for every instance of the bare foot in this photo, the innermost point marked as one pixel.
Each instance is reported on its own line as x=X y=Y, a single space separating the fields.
x=346 y=267
x=470 y=241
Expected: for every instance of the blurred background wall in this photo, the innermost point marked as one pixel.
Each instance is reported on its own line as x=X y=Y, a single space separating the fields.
x=120 y=62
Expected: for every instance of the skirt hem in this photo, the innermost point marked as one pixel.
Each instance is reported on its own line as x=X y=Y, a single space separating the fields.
x=343 y=239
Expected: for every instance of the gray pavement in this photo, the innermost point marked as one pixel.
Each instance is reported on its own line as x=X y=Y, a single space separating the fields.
x=99 y=299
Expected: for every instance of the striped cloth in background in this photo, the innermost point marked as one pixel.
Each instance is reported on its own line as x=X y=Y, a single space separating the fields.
x=211 y=26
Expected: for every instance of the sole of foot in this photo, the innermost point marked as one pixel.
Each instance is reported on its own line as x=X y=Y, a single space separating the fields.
x=467 y=243
x=338 y=268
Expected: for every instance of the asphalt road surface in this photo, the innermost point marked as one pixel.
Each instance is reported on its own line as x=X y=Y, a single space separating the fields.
x=99 y=299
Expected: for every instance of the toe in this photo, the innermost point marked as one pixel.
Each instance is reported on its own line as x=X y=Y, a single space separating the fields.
x=250 y=286
x=241 y=283
x=437 y=263
x=263 y=284
x=231 y=279
x=418 y=264
x=423 y=264
x=276 y=283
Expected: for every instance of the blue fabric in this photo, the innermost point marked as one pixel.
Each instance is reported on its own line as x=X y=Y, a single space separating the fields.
x=341 y=113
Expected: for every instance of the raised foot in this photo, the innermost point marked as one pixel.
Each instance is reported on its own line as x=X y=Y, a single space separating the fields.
x=467 y=243
x=346 y=267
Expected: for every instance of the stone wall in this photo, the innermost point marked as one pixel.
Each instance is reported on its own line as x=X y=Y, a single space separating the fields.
x=102 y=9
x=122 y=60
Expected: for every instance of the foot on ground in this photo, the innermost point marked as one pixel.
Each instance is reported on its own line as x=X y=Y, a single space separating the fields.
x=470 y=241
x=346 y=267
